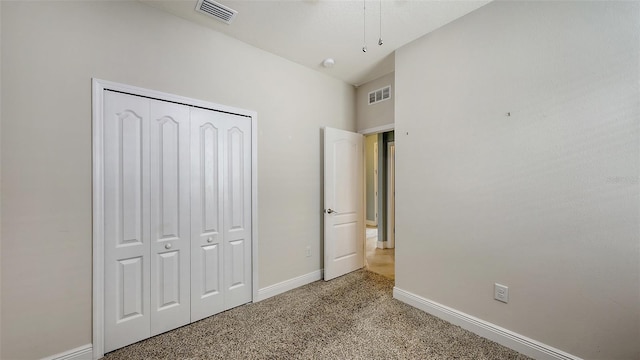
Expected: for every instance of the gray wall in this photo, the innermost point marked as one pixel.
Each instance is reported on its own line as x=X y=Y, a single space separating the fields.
x=383 y=140
x=378 y=114
x=369 y=159
x=545 y=200
x=0 y=181
x=50 y=52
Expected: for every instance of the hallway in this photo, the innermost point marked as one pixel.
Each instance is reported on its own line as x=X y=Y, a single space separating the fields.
x=380 y=261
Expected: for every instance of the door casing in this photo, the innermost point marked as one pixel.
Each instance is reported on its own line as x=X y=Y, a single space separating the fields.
x=98 y=88
x=391 y=195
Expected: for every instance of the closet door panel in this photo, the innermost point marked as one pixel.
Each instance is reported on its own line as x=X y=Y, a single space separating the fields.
x=177 y=215
x=170 y=207
x=237 y=200
x=126 y=219
x=206 y=215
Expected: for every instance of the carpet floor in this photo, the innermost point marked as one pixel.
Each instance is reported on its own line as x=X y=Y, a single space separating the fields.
x=352 y=317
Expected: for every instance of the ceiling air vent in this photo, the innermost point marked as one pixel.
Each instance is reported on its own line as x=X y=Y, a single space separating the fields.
x=216 y=10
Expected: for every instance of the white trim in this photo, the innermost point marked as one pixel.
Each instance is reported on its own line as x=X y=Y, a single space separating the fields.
x=502 y=336
x=134 y=90
x=99 y=86
x=287 y=285
x=254 y=205
x=98 y=219
x=377 y=129
x=391 y=178
x=80 y=353
x=376 y=183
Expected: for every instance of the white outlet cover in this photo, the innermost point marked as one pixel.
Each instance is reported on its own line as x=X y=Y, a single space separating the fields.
x=501 y=292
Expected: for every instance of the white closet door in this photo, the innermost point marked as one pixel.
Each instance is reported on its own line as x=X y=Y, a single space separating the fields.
x=126 y=219
x=206 y=215
x=170 y=207
x=237 y=208
x=177 y=224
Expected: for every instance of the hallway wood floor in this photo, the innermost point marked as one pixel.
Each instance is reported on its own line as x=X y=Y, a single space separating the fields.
x=379 y=261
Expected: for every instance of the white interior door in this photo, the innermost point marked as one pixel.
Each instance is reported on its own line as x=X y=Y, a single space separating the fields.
x=236 y=157
x=170 y=199
x=343 y=202
x=126 y=220
x=207 y=295
x=220 y=212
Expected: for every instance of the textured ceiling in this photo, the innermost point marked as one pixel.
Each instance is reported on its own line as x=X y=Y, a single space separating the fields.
x=308 y=31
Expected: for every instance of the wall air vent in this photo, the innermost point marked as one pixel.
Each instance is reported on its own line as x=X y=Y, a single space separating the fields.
x=216 y=10
x=380 y=95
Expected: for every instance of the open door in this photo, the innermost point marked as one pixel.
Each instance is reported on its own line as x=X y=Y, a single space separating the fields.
x=343 y=202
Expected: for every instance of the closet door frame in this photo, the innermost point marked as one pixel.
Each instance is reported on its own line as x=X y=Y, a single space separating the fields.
x=98 y=88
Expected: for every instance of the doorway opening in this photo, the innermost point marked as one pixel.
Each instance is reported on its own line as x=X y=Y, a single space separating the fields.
x=380 y=203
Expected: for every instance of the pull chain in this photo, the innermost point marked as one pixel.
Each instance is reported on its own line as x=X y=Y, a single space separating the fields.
x=364 y=26
x=380 y=38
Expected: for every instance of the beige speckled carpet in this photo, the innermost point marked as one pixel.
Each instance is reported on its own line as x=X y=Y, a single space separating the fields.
x=352 y=317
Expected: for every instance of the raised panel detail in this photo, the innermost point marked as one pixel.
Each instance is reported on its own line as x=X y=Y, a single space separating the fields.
x=343 y=246
x=130 y=127
x=169 y=183
x=345 y=176
x=129 y=288
x=237 y=263
x=209 y=178
x=168 y=279
x=236 y=178
x=210 y=270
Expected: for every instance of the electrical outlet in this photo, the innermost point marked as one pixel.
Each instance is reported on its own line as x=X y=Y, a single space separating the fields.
x=308 y=251
x=501 y=293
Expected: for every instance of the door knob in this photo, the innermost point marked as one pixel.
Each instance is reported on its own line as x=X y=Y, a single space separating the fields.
x=210 y=239
x=331 y=211
x=167 y=246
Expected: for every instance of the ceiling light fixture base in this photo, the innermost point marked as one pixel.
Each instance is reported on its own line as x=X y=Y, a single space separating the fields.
x=328 y=63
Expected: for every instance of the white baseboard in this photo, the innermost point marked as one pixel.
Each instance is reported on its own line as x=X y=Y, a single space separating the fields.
x=84 y=352
x=502 y=336
x=287 y=285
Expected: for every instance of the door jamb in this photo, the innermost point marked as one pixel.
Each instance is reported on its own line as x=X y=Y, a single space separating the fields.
x=376 y=153
x=98 y=88
x=365 y=132
x=391 y=163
